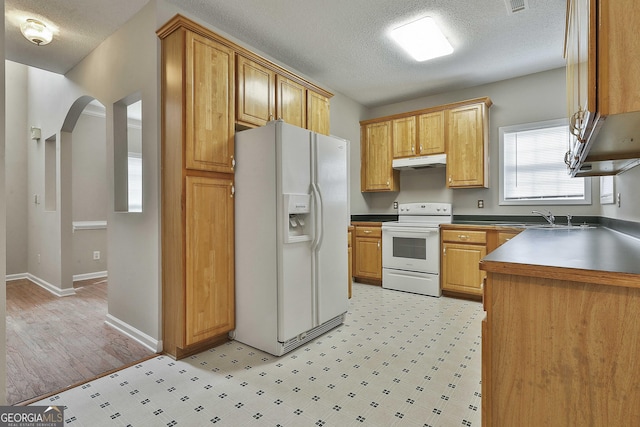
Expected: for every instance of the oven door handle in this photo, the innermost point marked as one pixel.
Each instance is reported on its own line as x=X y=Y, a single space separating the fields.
x=411 y=230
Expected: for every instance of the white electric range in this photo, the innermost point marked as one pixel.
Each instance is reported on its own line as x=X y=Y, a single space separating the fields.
x=411 y=248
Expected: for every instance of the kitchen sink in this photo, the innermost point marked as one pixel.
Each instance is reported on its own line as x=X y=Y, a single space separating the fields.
x=561 y=226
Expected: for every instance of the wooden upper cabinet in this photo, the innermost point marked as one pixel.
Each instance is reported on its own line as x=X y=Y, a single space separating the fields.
x=431 y=133
x=467 y=146
x=256 y=90
x=376 y=158
x=404 y=137
x=318 y=119
x=210 y=103
x=291 y=101
x=209 y=287
x=460 y=130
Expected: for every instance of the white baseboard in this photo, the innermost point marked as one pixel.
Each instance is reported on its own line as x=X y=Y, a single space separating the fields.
x=51 y=288
x=144 y=339
x=54 y=289
x=19 y=276
x=87 y=276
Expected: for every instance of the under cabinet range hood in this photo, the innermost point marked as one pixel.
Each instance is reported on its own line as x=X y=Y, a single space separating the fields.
x=431 y=161
x=613 y=147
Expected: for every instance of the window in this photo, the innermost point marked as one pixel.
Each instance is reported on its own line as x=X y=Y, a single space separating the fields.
x=532 y=166
x=127 y=119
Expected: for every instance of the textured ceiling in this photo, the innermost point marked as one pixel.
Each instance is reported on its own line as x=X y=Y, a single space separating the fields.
x=342 y=45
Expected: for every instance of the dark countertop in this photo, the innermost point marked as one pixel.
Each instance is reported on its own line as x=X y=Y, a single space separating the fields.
x=574 y=253
x=518 y=219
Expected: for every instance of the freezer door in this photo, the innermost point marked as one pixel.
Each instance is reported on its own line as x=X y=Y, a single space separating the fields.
x=295 y=289
x=330 y=170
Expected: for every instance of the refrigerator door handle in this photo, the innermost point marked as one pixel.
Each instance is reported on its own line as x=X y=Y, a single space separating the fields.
x=317 y=223
x=320 y=215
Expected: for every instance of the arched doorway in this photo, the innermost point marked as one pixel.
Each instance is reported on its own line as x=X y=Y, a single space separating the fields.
x=76 y=342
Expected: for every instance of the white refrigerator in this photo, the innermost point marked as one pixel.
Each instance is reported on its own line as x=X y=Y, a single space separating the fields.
x=291 y=218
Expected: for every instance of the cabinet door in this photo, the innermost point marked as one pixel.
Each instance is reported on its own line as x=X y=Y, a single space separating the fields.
x=256 y=89
x=318 y=113
x=291 y=102
x=460 y=268
x=376 y=156
x=209 y=105
x=209 y=287
x=466 y=149
x=404 y=137
x=431 y=135
x=581 y=65
x=369 y=258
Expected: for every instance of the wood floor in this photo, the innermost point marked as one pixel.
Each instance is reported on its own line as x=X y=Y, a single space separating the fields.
x=54 y=342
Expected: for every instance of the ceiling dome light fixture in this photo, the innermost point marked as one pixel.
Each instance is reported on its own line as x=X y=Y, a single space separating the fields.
x=36 y=32
x=422 y=39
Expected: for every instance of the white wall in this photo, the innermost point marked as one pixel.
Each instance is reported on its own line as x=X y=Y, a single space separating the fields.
x=526 y=99
x=17 y=140
x=627 y=185
x=345 y=117
x=90 y=193
x=125 y=63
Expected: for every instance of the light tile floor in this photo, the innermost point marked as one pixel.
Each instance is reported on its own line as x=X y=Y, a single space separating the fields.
x=400 y=359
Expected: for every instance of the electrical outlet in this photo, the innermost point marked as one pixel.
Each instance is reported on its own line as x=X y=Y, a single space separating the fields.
x=395 y=205
x=480 y=204
x=96 y=255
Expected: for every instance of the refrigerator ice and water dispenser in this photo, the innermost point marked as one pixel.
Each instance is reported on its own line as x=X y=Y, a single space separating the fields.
x=298 y=228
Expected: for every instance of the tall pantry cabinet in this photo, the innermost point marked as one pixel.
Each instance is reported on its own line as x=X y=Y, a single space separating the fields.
x=198 y=105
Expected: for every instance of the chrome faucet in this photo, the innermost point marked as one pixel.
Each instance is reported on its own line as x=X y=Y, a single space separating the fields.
x=548 y=216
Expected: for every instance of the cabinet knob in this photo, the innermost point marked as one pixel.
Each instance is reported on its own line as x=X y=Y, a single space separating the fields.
x=233 y=162
x=387 y=183
x=378 y=244
x=367 y=231
x=413 y=149
x=233 y=190
x=463 y=237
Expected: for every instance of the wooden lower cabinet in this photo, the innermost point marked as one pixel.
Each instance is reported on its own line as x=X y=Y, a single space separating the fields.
x=461 y=272
x=368 y=254
x=557 y=352
x=350 y=254
x=198 y=265
x=462 y=249
x=209 y=290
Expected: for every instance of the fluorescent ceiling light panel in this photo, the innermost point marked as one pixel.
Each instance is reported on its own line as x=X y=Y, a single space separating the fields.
x=422 y=39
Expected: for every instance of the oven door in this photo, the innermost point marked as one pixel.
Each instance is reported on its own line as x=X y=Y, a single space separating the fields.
x=411 y=248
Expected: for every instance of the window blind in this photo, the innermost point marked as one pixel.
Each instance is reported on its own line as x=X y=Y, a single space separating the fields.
x=534 y=168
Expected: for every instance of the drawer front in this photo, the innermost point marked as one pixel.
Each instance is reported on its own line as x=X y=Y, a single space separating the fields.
x=464 y=236
x=368 y=231
x=505 y=236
